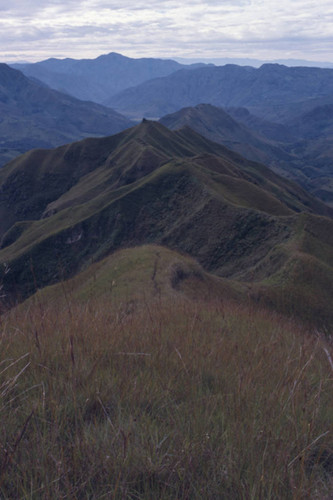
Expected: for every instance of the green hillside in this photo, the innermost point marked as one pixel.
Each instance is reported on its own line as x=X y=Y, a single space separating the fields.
x=165 y=326
x=144 y=274
x=65 y=208
x=159 y=396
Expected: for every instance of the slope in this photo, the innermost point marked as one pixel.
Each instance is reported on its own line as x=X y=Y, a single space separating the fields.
x=305 y=161
x=149 y=185
x=305 y=132
x=219 y=126
x=168 y=398
x=33 y=116
x=137 y=275
x=258 y=89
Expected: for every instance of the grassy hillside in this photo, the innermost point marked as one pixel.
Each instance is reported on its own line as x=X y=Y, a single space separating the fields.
x=297 y=283
x=63 y=209
x=139 y=274
x=163 y=371
x=103 y=397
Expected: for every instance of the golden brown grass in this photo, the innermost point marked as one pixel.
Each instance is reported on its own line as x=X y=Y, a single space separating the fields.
x=162 y=400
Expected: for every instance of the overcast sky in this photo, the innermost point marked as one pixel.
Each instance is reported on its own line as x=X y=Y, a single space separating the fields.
x=264 y=29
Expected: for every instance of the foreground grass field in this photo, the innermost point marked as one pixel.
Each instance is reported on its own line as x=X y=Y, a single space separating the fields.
x=165 y=399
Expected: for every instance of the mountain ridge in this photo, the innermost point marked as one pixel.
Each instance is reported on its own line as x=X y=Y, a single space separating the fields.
x=97 y=79
x=240 y=221
x=228 y=85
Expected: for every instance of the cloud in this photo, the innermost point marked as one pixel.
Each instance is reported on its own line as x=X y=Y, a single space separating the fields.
x=246 y=28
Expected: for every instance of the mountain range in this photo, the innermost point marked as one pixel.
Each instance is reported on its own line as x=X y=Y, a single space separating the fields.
x=33 y=115
x=98 y=79
x=154 y=87
x=266 y=91
x=256 y=63
x=64 y=208
x=296 y=144
x=292 y=107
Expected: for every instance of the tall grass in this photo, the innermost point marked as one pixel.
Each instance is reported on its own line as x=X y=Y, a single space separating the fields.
x=165 y=400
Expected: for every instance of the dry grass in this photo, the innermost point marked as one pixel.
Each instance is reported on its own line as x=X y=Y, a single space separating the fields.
x=165 y=400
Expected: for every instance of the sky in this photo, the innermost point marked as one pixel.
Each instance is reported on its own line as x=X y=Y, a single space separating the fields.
x=35 y=30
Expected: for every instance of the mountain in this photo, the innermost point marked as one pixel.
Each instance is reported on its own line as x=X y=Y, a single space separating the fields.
x=221 y=61
x=273 y=131
x=98 y=79
x=317 y=122
x=64 y=208
x=288 y=110
x=257 y=89
x=305 y=132
x=219 y=126
x=307 y=161
x=289 y=113
x=35 y=116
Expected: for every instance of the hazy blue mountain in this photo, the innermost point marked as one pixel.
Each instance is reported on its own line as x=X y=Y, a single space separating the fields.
x=32 y=115
x=257 y=89
x=306 y=130
x=307 y=160
x=98 y=79
x=219 y=126
x=247 y=61
x=266 y=128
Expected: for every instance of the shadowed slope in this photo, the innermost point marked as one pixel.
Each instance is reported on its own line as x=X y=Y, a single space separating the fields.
x=33 y=115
